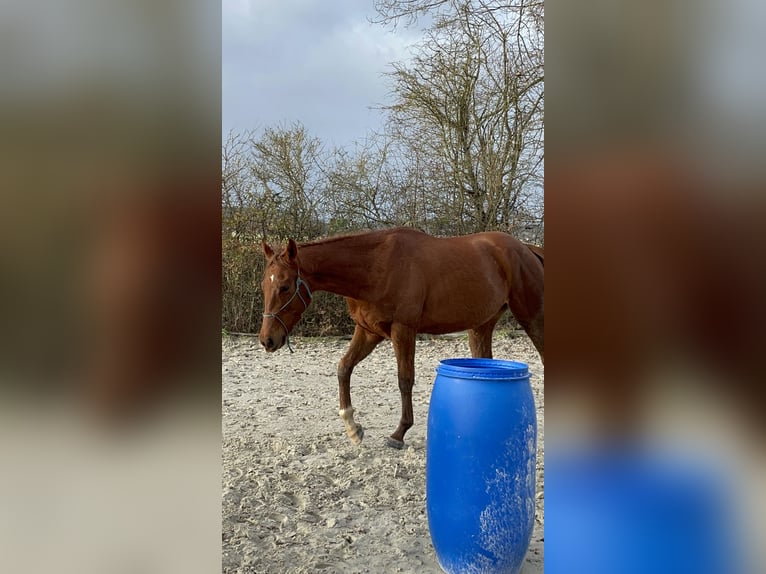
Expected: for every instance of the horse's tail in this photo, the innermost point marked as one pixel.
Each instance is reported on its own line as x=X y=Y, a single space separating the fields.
x=538 y=252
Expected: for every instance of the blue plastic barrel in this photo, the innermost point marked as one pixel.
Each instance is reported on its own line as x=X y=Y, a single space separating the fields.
x=480 y=465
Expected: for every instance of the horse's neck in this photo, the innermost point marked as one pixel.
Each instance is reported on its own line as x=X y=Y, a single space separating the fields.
x=340 y=267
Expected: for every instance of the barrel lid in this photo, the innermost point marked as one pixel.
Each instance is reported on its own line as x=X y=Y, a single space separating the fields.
x=470 y=368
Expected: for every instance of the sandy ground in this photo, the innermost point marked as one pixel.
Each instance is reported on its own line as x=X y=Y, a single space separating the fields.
x=298 y=496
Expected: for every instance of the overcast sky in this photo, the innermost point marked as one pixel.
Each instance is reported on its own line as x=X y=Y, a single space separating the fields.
x=314 y=61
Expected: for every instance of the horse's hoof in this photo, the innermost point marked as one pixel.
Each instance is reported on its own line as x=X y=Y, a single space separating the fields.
x=393 y=443
x=357 y=436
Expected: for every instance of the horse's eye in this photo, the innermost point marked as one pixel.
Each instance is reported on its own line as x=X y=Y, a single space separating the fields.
x=284 y=289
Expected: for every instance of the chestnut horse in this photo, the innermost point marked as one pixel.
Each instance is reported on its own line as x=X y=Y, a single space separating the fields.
x=401 y=282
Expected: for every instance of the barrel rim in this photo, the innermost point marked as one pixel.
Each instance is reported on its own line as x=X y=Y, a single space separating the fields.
x=479 y=368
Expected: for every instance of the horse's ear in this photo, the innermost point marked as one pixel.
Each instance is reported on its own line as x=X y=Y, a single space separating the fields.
x=267 y=250
x=292 y=249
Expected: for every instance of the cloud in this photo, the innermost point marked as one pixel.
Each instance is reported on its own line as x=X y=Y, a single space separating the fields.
x=298 y=60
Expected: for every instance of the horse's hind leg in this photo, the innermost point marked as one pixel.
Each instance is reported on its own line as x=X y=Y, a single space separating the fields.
x=533 y=322
x=536 y=332
x=526 y=301
x=362 y=344
x=480 y=338
x=403 y=339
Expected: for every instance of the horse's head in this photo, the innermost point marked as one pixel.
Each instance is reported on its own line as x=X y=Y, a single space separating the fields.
x=285 y=296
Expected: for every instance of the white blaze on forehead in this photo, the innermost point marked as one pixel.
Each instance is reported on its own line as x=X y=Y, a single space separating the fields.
x=272 y=278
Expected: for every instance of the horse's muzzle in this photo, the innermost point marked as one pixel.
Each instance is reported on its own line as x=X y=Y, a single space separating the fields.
x=272 y=344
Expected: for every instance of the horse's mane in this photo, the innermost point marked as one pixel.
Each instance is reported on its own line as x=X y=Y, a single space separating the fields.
x=353 y=234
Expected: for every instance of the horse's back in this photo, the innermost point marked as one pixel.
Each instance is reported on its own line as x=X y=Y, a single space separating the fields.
x=479 y=254
x=509 y=251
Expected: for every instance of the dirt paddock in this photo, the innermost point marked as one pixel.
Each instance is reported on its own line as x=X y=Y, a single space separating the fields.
x=298 y=496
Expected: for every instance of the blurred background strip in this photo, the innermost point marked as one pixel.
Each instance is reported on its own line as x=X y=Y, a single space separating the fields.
x=656 y=274
x=110 y=286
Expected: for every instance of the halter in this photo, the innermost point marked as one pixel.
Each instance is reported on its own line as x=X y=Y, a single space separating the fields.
x=298 y=282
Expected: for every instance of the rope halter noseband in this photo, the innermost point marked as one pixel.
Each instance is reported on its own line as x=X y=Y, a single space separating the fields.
x=298 y=282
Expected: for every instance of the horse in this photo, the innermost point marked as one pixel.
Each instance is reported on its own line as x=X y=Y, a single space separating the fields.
x=398 y=283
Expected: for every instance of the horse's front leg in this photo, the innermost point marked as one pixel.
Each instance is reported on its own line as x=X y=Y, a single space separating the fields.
x=362 y=344
x=403 y=339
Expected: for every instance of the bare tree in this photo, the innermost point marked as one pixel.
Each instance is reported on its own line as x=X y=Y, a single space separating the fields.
x=360 y=191
x=289 y=167
x=470 y=106
x=239 y=191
